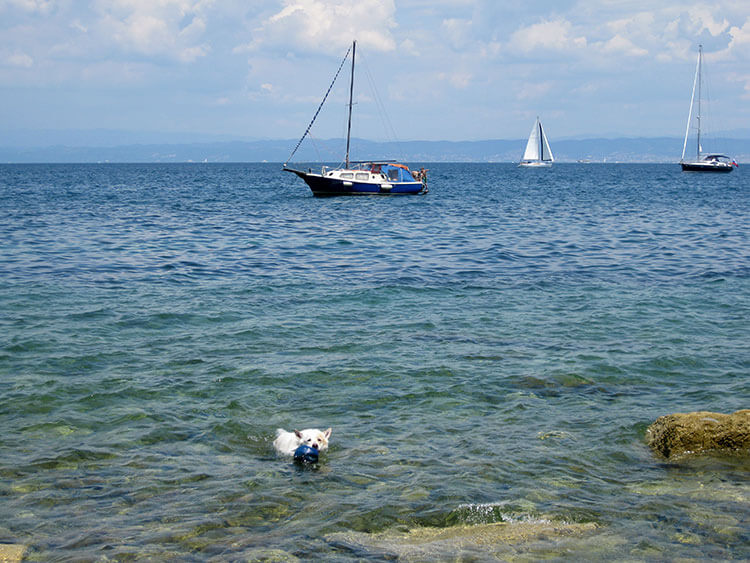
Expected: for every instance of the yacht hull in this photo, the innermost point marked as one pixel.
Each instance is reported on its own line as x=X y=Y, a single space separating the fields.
x=706 y=167
x=535 y=164
x=323 y=186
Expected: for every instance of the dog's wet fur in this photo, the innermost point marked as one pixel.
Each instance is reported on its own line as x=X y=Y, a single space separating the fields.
x=286 y=442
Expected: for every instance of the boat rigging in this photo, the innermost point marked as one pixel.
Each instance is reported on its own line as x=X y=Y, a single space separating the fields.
x=378 y=177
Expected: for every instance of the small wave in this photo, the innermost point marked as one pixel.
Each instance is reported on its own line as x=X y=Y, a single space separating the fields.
x=488 y=513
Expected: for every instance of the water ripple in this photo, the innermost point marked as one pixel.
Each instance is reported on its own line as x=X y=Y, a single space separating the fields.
x=492 y=352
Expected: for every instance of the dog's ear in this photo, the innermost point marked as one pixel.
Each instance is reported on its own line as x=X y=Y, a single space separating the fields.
x=298 y=434
x=327 y=433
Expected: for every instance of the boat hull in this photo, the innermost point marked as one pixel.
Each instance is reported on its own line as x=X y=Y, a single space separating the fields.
x=706 y=167
x=535 y=164
x=322 y=186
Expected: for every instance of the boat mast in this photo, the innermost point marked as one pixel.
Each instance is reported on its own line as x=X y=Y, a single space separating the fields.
x=698 y=116
x=351 y=94
x=690 y=113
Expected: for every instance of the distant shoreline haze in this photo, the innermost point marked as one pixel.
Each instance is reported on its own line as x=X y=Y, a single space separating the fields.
x=635 y=150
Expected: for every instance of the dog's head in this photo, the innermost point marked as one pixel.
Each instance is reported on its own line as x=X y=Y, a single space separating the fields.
x=314 y=438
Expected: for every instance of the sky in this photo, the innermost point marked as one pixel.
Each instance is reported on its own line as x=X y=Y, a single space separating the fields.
x=426 y=69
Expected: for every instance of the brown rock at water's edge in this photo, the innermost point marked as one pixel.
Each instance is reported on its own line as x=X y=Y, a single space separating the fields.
x=696 y=432
x=12 y=552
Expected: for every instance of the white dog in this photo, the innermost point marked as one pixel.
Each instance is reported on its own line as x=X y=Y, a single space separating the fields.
x=287 y=442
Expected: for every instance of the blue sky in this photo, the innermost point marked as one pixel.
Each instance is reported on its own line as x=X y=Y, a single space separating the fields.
x=443 y=70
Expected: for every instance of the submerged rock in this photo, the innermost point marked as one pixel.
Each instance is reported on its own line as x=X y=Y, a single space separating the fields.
x=697 y=432
x=12 y=552
x=455 y=542
x=269 y=556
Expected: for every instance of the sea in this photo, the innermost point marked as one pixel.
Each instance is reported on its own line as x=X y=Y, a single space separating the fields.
x=490 y=352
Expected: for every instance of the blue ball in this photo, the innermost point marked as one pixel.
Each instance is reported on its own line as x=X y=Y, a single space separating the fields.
x=305 y=454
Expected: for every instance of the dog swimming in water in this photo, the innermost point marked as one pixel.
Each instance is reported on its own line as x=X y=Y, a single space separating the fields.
x=287 y=442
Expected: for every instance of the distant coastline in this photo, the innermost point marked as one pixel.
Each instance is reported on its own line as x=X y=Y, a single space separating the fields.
x=626 y=150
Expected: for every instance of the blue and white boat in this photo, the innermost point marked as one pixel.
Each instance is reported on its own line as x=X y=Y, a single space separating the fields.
x=376 y=177
x=365 y=178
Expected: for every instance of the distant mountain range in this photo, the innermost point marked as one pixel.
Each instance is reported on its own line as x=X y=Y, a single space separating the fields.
x=660 y=149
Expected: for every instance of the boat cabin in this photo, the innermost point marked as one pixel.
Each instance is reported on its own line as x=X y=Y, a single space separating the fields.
x=373 y=172
x=717 y=159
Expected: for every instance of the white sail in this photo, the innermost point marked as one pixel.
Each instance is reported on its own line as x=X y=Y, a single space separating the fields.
x=532 y=146
x=546 y=151
x=537 y=148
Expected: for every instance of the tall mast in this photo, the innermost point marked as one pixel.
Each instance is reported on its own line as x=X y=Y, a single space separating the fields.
x=690 y=113
x=700 y=79
x=351 y=95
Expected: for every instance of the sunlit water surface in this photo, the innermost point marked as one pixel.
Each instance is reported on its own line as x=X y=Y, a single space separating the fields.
x=492 y=351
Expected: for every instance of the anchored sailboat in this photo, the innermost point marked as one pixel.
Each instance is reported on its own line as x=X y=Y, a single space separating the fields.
x=380 y=177
x=703 y=162
x=537 y=151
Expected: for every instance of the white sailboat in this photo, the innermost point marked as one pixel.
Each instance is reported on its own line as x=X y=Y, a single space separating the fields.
x=537 y=151
x=703 y=161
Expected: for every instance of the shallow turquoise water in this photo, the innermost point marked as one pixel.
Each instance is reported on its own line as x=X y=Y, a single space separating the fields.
x=491 y=351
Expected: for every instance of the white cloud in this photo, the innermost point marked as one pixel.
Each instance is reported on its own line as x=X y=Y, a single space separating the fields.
x=170 y=28
x=637 y=23
x=703 y=18
x=740 y=37
x=78 y=26
x=450 y=53
x=620 y=44
x=40 y=6
x=410 y=47
x=553 y=35
x=678 y=49
x=738 y=44
x=457 y=32
x=19 y=60
x=631 y=32
x=329 y=25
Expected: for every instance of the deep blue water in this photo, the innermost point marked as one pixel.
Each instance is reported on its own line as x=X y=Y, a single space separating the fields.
x=492 y=351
